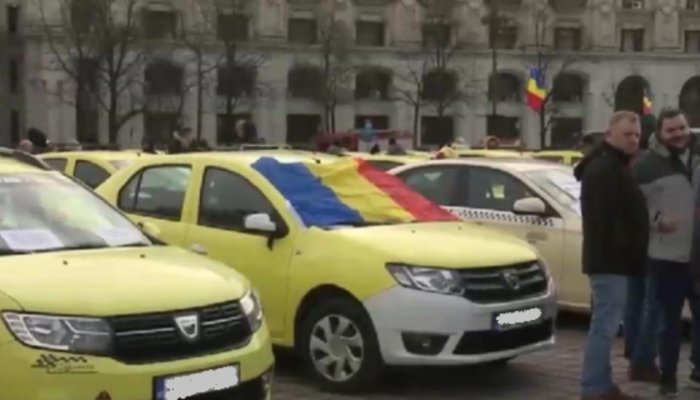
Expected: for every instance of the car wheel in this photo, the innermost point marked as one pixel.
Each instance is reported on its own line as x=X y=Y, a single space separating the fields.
x=339 y=346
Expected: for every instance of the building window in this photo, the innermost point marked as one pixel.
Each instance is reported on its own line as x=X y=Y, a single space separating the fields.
x=632 y=40
x=303 y=31
x=504 y=38
x=14 y=126
x=369 y=33
x=14 y=76
x=692 y=41
x=233 y=27
x=159 y=24
x=436 y=35
x=567 y=39
x=633 y=4
x=693 y=5
x=12 y=18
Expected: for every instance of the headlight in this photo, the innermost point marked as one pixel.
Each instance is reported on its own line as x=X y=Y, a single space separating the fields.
x=252 y=309
x=72 y=334
x=434 y=280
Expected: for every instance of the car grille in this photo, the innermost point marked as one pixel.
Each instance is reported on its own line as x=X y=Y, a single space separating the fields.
x=147 y=338
x=252 y=390
x=489 y=285
x=482 y=342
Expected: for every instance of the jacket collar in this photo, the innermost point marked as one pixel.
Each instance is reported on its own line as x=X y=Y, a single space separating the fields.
x=619 y=154
x=659 y=148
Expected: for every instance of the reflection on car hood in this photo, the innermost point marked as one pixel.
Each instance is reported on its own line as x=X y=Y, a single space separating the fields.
x=117 y=281
x=443 y=244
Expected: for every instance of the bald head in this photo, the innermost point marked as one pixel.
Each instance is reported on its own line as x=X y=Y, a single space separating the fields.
x=624 y=132
x=26 y=146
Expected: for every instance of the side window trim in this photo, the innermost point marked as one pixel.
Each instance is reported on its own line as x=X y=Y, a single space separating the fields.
x=453 y=197
x=276 y=216
x=79 y=162
x=139 y=175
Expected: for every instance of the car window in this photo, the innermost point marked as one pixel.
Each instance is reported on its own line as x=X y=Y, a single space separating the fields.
x=120 y=164
x=89 y=173
x=561 y=185
x=156 y=191
x=434 y=183
x=384 y=165
x=59 y=164
x=227 y=198
x=31 y=218
x=492 y=189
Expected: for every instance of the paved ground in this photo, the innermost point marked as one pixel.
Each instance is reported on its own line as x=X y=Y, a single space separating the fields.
x=547 y=375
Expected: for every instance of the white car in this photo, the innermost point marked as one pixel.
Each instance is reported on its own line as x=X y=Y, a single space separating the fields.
x=534 y=200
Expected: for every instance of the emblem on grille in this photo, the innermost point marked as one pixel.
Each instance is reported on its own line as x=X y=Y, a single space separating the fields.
x=511 y=278
x=188 y=325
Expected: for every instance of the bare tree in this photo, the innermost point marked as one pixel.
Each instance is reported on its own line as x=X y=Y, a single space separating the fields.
x=495 y=22
x=96 y=44
x=433 y=76
x=549 y=62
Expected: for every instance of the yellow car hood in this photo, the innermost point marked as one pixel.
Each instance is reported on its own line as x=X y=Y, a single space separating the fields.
x=117 y=281
x=442 y=244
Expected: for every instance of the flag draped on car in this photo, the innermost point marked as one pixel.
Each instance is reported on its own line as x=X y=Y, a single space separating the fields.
x=349 y=191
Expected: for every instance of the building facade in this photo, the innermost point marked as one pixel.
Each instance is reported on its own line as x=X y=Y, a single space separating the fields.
x=205 y=64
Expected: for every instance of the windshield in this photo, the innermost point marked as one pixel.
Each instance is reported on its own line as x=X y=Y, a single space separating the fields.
x=347 y=192
x=32 y=220
x=561 y=184
x=119 y=164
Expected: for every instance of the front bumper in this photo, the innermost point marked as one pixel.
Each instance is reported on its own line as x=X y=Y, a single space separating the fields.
x=72 y=377
x=464 y=326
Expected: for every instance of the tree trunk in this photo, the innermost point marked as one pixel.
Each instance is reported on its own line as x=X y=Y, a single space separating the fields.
x=200 y=95
x=113 y=116
x=543 y=126
x=416 y=123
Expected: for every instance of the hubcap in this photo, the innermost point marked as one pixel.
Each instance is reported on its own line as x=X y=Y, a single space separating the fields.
x=336 y=348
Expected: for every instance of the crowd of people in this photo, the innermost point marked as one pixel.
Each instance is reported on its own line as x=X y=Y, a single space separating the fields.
x=641 y=251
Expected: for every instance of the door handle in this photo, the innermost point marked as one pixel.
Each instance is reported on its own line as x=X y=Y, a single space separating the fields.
x=199 y=249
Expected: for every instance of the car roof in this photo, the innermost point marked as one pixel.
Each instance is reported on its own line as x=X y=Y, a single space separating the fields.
x=514 y=164
x=492 y=153
x=99 y=154
x=247 y=158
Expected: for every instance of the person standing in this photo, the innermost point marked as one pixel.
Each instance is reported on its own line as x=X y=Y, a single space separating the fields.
x=615 y=240
x=665 y=173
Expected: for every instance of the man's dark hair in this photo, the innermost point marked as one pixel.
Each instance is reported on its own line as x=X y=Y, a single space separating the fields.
x=665 y=114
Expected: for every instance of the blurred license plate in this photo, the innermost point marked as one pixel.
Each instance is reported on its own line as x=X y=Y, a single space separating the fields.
x=181 y=387
x=514 y=319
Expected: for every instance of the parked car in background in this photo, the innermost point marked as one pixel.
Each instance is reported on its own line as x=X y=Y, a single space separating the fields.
x=355 y=270
x=567 y=157
x=92 y=167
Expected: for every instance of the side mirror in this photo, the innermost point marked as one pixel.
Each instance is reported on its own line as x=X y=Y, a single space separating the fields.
x=530 y=206
x=260 y=223
x=150 y=229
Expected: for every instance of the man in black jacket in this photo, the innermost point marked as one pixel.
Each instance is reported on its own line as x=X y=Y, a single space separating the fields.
x=615 y=240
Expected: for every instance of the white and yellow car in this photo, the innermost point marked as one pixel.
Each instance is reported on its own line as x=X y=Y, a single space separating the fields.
x=533 y=199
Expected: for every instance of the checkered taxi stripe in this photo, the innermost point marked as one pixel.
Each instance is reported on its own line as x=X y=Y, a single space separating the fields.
x=502 y=217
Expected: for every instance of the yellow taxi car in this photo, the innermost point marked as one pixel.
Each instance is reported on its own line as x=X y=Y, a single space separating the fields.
x=92 y=307
x=355 y=270
x=490 y=153
x=534 y=200
x=567 y=157
x=91 y=167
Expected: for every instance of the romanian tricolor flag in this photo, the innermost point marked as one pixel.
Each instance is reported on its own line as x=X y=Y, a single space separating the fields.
x=646 y=103
x=536 y=93
x=348 y=191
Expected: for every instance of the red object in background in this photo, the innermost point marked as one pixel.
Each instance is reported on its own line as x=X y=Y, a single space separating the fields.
x=350 y=139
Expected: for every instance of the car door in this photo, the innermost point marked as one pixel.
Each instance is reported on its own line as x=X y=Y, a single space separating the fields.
x=90 y=173
x=157 y=194
x=225 y=197
x=488 y=195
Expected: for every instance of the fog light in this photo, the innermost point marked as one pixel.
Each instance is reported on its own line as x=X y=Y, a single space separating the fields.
x=424 y=343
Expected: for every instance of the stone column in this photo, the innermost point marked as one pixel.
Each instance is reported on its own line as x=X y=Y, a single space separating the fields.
x=666 y=21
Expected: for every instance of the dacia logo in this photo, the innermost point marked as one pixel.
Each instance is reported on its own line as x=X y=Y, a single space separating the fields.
x=188 y=325
x=511 y=278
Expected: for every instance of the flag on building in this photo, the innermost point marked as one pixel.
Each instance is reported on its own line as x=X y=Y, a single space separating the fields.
x=536 y=93
x=646 y=103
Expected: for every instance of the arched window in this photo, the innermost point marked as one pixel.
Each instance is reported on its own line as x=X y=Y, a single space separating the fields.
x=689 y=100
x=235 y=81
x=439 y=85
x=373 y=84
x=568 y=87
x=629 y=95
x=504 y=86
x=163 y=78
x=305 y=81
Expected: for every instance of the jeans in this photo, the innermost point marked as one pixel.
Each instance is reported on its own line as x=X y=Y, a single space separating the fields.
x=642 y=323
x=673 y=286
x=609 y=298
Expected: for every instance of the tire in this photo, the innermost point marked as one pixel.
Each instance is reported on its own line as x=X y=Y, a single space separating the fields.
x=357 y=342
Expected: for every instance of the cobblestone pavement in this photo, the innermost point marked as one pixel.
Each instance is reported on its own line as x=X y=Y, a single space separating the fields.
x=547 y=375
